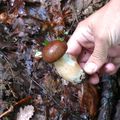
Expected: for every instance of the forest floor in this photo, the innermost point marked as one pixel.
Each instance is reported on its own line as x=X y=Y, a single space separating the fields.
x=30 y=88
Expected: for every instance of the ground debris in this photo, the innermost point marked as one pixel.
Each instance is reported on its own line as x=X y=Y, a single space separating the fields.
x=25 y=113
x=25 y=27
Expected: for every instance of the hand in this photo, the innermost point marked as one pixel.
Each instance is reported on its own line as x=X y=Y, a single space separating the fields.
x=96 y=41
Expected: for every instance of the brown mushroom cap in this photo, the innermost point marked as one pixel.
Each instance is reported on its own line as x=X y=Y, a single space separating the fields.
x=54 y=50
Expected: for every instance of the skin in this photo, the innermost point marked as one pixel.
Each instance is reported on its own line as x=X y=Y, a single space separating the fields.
x=96 y=41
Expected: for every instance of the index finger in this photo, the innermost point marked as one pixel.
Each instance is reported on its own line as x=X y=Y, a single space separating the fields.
x=81 y=37
x=74 y=47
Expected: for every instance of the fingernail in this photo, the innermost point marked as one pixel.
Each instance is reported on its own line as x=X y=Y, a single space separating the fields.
x=90 y=68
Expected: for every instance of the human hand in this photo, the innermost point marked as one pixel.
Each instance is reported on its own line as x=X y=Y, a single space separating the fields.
x=96 y=41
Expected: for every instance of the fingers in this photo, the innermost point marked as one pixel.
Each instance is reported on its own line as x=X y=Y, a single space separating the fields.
x=81 y=37
x=74 y=47
x=113 y=64
x=116 y=60
x=109 y=68
x=114 y=51
x=94 y=79
x=98 y=57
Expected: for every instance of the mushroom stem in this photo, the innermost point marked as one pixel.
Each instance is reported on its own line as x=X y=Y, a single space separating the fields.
x=68 y=68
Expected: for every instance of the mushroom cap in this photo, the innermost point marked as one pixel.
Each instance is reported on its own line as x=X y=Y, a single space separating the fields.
x=54 y=50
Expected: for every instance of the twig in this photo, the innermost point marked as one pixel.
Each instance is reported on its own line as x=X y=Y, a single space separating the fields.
x=8 y=62
x=7 y=112
x=24 y=100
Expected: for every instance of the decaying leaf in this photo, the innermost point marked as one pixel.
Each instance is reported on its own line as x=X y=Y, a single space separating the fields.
x=25 y=113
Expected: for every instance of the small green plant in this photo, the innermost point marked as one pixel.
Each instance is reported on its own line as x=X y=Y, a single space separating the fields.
x=6 y=118
x=66 y=32
x=45 y=42
x=60 y=39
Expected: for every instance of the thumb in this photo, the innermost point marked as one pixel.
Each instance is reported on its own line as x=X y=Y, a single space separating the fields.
x=98 y=57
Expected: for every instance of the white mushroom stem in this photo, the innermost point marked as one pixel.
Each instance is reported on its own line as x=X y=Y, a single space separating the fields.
x=68 y=68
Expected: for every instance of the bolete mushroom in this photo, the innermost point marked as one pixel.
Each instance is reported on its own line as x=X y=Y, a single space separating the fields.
x=65 y=64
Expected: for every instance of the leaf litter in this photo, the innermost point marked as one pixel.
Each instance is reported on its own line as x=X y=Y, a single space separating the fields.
x=25 y=27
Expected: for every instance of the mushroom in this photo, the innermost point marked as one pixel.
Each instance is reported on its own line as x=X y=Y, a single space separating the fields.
x=65 y=64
